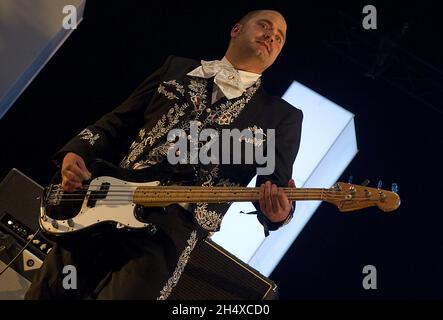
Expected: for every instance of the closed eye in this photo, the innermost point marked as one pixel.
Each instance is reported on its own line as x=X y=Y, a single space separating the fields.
x=263 y=25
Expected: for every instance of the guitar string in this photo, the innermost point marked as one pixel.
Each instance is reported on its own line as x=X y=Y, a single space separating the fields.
x=131 y=189
x=196 y=191
x=98 y=195
x=86 y=186
x=186 y=191
x=201 y=188
x=190 y=198
x=241 y=193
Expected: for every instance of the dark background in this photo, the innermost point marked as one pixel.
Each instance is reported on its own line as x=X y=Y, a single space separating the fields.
x=399 y=131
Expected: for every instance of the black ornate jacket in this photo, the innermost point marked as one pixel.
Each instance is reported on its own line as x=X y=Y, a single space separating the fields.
x=135 y=133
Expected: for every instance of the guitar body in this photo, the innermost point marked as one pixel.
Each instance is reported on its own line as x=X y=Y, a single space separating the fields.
x=104 y=204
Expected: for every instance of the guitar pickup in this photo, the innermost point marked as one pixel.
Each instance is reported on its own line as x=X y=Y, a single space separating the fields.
x=98 y=194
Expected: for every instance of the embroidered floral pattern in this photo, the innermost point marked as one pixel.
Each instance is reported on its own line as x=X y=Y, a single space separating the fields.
x=87 y=134
x=155 y=156
x=226 y=183
x=161 y=89
x=207 y=177
x=198 y=95
x=163 y=125
x=228 y=111
x=256 y=141
x=207 y=219
x=177 y=86
x=182 y=262
x=168 y=94
x=161 y=128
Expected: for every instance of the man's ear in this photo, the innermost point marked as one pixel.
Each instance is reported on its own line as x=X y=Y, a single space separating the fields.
x=235 y=30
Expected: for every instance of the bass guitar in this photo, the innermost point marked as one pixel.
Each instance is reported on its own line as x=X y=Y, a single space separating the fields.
x=114 y=197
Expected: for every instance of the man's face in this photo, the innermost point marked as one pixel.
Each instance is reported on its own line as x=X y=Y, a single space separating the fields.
x=262 y=38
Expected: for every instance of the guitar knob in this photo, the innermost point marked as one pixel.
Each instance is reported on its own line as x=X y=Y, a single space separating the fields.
x=394 y=187
x=365 y=183
x=54 y=224
x=350 y=179
x=379 y=185
x=352 y=190
x=337 y=187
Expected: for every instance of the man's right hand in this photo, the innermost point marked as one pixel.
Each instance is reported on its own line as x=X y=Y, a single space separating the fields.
x=74 y=172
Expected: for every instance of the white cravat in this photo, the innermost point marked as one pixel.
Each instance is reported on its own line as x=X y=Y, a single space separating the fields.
x=229 y=81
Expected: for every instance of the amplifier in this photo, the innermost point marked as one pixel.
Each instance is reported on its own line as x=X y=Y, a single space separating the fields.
x=19 y=210
x=212 y=273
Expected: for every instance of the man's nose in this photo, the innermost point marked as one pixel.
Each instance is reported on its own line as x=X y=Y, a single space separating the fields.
x=269 y=36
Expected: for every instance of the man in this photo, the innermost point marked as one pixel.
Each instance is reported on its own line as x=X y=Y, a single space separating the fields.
x=222 y=94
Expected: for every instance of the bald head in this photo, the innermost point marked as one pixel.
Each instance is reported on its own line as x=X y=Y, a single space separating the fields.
x=252 y=14
x=256 y=40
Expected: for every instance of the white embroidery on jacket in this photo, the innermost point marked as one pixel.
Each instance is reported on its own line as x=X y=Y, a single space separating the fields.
x=155 y=156
x=177 y=86
x=224 y=182
x=163 y=125
x=169 y=94
x=208 y=219
x=161 y=128
x=255 y=140
x=228 y=111
x=197 y=92
x=182 y=262
x=87 y=134
x=161 y=89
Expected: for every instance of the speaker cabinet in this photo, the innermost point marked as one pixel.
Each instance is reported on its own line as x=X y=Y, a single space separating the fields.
x=212 y=273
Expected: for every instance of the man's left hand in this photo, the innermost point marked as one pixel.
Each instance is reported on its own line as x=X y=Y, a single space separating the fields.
x=273 y=201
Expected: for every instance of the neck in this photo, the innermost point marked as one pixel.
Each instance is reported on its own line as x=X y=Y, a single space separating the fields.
x=164 y=195
x=243 y=63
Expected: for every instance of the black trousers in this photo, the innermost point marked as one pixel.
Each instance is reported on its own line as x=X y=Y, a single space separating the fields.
x=119 y=265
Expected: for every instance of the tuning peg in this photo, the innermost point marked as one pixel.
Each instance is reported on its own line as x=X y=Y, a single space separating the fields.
x=394 y=187
x=365 y=183
x=380 y=184
x=350 y=179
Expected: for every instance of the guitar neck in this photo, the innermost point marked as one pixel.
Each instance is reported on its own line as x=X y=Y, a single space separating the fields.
x=162 y=195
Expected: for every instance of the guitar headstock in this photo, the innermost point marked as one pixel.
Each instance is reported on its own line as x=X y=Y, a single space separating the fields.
x=350 y=197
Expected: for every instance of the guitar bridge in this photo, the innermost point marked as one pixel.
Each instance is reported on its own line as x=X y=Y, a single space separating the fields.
x=54 y=195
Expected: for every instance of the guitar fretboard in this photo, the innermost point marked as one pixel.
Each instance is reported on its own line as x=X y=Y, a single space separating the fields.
x=169 y=194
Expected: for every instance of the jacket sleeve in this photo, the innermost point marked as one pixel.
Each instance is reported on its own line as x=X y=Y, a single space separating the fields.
x=116 y=127
x=287 y=143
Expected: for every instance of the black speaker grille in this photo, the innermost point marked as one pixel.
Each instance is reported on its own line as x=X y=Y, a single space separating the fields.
x=214 y=274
